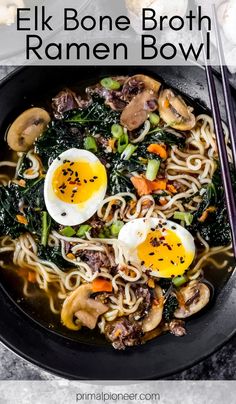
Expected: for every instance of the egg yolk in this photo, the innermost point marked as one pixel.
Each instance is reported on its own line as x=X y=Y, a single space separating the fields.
x=76 y=182
x=163 y=252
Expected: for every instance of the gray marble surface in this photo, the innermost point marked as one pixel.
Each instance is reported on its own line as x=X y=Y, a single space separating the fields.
x=220 y=366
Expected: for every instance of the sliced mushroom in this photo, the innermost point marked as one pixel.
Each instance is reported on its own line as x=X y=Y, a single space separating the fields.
x=138 y=83
x=137 y=111
x=175 y=112
x=154 y=317
x=27 y=128
x=80 y=305
x=192 y=298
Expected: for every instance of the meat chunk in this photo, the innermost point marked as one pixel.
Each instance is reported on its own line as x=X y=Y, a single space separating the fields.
x=143 y=309
x=95 y=259
x=67 y=100
x=123 y=333
x=177 y=328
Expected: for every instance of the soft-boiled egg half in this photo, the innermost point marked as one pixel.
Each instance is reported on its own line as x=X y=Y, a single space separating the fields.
x=162 y=246
x=75 y=185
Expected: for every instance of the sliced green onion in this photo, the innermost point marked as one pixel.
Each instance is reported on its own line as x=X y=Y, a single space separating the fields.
x=117 y=131
x=152 y=169
x=122 y=143
x=154 y=119
x=110 y=84
x=83 y=229
x=179 y=280
x=129 y=150
x=90 y=144
x=185 y=216
x=46 y=224
x=67 y=231
x=116 y=228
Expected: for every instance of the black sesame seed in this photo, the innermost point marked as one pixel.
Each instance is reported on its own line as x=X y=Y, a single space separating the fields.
x=91 y=180
x=142 y=262
x=172 y=262
x=95 y=178
x=76 y=174
x=85 y=181
x=63 y=214
x=151 y=253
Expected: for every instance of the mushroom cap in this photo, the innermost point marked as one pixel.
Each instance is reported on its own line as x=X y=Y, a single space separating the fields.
x=137 y=111
x=175 y=112
x=154 y=317
x=80 y=305
x=195 y=295
x=148 y=82
x=27 y=128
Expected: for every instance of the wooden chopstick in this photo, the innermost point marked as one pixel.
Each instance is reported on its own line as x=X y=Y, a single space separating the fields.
x=223 y=156
x=226 y=89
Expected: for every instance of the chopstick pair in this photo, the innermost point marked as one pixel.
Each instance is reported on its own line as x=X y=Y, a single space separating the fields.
x=220 y=137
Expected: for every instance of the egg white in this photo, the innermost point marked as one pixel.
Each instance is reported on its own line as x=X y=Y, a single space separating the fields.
x=135 y=232
x=75 y=214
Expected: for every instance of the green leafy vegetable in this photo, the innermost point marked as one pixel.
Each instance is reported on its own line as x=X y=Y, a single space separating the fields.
x=185 y=216
x=68 y=231
x=152 y=169
x=117 y=130
x=90 y=144
x=53 y=254
x=110 y=84
x=154 y=119
x=215 y=229
x=46 y=225
x=179 y=280
x=116 y=228
x=83 y=229
x=170 y=306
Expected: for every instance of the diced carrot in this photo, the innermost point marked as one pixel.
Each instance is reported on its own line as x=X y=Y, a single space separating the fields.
x=146 y=187
x=163 y=201
x=30 y=171
x=32 y=277
x=171 y=188
x=71 y=256
x=158 y=149
x=166 y=103
x=205 y=214
x=142 y=185
x=23 y=272
x=151 y=283
x=21 y=219
x=22 y=183
x=159 y=185
x=111 y=144
x=101 y=285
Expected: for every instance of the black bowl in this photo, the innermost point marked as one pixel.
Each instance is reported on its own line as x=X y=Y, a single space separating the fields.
x=88 y=358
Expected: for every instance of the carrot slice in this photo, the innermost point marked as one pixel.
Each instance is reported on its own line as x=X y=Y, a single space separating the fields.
x=142 y=185
x=158 y=149
x=101 y=285
x=21 y=219
x=146 y=187
x=32 y=277
x=159 y=185
x=171 y=188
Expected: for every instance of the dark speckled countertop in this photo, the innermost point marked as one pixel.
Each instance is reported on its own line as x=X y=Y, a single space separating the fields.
x=220 y=366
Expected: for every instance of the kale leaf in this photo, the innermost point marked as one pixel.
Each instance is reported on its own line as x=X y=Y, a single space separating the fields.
x=170 y=306
x=10 y=197
x=216 y=228
x=15 y=200
x=59 y=137
x=97 y=117
x=53 y=254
